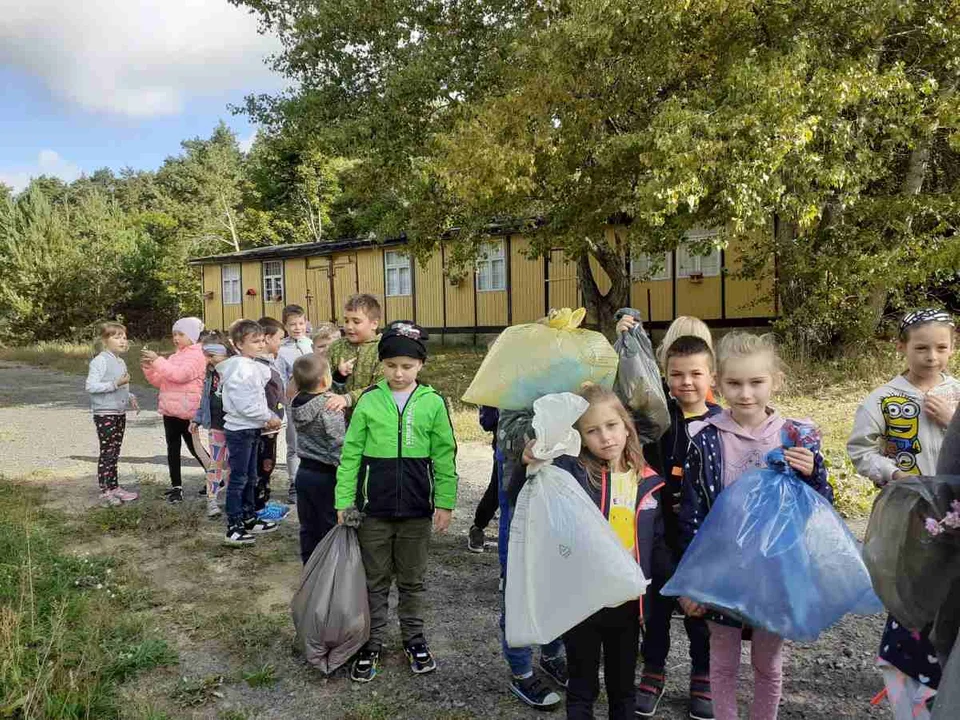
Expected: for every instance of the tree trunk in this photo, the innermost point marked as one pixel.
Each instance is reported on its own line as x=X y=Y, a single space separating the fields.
x=604 y=306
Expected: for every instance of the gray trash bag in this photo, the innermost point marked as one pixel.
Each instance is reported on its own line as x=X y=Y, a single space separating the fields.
x=946 y=705
x=330 y=610
x=638 y=381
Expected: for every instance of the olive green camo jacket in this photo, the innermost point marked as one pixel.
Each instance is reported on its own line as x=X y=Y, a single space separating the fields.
x=366 y=372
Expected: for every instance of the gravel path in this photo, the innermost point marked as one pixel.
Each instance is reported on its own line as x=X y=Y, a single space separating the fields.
x=47 y=436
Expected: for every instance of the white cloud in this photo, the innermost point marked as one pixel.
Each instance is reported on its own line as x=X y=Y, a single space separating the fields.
x=247 y=142
x=48 y=163
x=136 y=58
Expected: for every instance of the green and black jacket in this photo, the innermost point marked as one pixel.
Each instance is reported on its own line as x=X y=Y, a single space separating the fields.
x=398 y=466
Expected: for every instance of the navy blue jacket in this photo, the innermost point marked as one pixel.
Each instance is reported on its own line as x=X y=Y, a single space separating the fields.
x=650 y=550
x=703 y=482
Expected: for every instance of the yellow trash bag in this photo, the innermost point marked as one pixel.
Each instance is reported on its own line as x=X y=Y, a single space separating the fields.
x=552 y=355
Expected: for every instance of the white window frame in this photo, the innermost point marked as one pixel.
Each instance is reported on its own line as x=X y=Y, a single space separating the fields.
x=492 y=256
x=690 y=264
x=272 y=281
x=232 y=294
x=395 y=263
x=641 y=263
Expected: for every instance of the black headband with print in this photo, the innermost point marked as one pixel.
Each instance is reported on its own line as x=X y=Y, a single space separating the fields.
x=927 y=315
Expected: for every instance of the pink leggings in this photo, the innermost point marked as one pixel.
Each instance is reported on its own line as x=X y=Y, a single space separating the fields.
x=218 y=470
x=766 y=656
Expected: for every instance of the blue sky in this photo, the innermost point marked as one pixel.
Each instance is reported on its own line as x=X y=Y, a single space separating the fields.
x=120 y=82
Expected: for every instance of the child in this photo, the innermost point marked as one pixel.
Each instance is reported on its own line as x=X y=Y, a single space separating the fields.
x=319 y=437
x=273 y=336
x=210 y=415
x=898 y=431
x=108 y=383
x=689 y=367
x=246 y=414
x=722 y=448
x=296 y=344
x=325 y=335
x=611 y=469
x=400 y=441
x=180 y=379
x=487 y=507
x=353 y=358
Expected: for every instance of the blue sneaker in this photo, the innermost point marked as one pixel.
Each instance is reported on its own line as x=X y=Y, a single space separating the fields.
x=274 y=512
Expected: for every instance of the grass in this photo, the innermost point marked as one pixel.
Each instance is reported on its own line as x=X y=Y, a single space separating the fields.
x=69 y=633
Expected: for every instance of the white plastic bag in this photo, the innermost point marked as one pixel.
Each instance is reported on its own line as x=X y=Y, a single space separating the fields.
x=565 y=562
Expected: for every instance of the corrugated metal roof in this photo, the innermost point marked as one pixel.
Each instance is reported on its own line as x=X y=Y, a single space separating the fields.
x=297 y=250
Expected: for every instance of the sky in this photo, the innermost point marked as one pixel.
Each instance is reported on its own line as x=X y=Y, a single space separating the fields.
x=86 y=84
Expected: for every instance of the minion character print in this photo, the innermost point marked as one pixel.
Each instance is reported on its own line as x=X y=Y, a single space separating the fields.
x=901 y=439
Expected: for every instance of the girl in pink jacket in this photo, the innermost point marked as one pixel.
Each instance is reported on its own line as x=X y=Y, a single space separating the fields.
x=180 y=379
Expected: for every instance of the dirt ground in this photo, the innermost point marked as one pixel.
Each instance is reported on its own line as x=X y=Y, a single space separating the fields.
x=227 y=612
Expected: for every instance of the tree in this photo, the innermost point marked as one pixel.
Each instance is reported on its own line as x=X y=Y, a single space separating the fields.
x=832 y=121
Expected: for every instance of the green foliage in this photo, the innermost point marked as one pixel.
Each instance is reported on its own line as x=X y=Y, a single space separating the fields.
x=263 y=676
x=67 y=636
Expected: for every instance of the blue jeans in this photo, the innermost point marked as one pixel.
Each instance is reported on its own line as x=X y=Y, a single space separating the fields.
x=520 y=659
x=242 y=446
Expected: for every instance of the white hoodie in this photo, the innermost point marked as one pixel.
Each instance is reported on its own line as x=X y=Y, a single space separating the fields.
x=242 y=383
x=892 y=432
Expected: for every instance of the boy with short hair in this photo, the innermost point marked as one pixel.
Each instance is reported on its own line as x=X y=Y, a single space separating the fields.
x=246 y=413
x=296 y=344
x=400 y=441
x=324 y=336
x=353 y=358
x=273 y=336
x=319 y=439
x=689 y=365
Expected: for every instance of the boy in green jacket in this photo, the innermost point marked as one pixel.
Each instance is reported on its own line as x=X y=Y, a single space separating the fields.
x=398 y=467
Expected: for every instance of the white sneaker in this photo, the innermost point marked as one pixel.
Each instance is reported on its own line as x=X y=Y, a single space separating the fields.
x=213 y=509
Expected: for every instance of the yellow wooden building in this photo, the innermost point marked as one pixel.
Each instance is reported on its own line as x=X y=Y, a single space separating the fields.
x=506 y=288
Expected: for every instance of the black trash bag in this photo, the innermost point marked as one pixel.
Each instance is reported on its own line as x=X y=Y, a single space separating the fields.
x=638 y=382
x=330 y=610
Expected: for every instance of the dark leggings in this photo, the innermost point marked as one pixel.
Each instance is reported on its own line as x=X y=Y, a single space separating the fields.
x=175 y=430
x=110 y=429
x=489 y=503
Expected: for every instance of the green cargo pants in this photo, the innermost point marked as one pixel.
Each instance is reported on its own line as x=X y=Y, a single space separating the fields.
x=395 y=548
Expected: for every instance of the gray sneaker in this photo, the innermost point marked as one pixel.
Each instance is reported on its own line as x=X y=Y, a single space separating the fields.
x=213 y=508
x=476 y=539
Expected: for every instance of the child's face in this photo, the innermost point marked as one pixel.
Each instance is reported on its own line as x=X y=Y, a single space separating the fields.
x=401 y=372
x=117 y=343
x=747 y=383
x=689 y=379
x=358 y=327
x=272 y=342
x=321 y=344
x=928 y=349
x=214 y=360
x=180 y=340
x=251 y=345
x=603 y=431
x=296 y=326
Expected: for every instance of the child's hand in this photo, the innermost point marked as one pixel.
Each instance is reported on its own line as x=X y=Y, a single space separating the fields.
x=345 y=367
x=800 y=459
x=337 y=403
x=939 y=409
x=192 y=428
x=272 y=424
x=626 y=323
x=147 y=357
x=898 y=475
x=340 y=517
x=527 y=458
x=691 y=608
x=441 y=520
x=123 y=380
x=135 y=404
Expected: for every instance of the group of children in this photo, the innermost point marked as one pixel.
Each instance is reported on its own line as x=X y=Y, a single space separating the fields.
x=368 y=436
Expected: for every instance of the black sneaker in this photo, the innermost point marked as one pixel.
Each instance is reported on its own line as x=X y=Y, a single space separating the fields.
x=556 y=668
x=649 y=693
x=535 y=692
x=237 y=536
x=202 y=492
x=365 y=667
x=421 y=661
x=174 y=495
x=257 y=526
x=701 y=701
x=476 y=540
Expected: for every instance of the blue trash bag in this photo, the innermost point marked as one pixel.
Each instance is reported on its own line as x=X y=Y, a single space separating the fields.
x=774 y=554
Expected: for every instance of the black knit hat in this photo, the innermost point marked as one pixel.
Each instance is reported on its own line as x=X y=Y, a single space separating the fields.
x=403 y=338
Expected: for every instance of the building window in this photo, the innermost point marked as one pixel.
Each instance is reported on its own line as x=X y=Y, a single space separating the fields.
x=398 y=274
x=273 y=281
x=690 y=264
x=644 y=268
x=492 y=268
x=231 y=285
